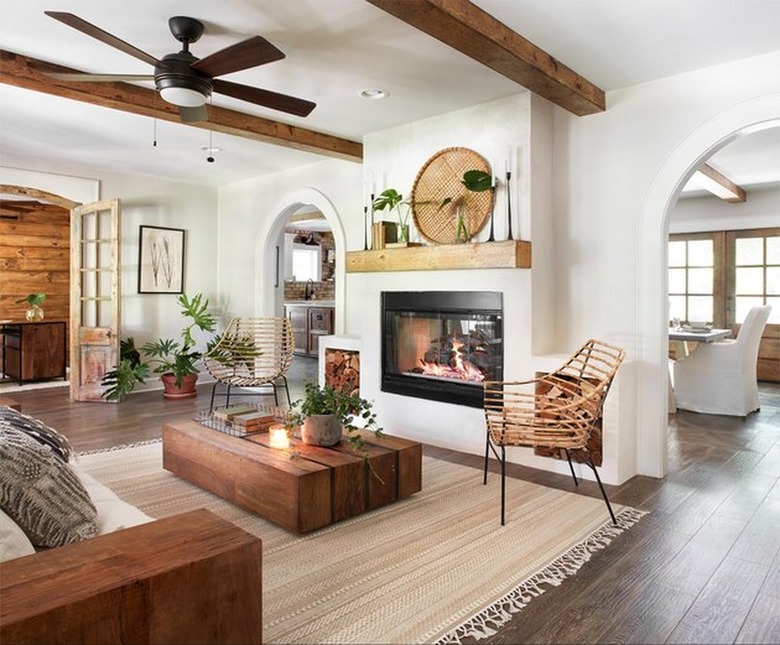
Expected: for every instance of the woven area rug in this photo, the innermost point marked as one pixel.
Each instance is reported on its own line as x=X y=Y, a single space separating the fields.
x=435 y=567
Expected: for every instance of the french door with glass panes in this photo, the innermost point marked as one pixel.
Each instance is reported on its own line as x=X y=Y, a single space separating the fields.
x=94 y=299
x=717 y=277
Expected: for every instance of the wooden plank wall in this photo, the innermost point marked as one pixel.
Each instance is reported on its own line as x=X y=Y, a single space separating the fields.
x=34 y=256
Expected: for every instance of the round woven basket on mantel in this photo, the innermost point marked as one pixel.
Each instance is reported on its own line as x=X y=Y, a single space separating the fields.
x=440 y=179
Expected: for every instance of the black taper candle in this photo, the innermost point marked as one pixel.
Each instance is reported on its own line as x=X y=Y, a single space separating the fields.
x=492 y=237
x=365 y=228
x=371 y=206
x=509 y=205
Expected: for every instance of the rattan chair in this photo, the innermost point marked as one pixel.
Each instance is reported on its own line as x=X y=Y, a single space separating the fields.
x=556 y=412
x=252 y=352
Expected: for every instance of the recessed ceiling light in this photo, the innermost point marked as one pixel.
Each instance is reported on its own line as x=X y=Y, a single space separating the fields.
x=374 y=94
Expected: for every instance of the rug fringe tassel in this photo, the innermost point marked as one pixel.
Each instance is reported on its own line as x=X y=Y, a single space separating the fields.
x=488 y=621
x=137 y=444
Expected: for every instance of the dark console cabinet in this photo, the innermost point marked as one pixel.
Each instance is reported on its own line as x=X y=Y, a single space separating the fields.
x=34 y=351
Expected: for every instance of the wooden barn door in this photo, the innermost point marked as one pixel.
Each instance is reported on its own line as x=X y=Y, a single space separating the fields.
x=94 y=301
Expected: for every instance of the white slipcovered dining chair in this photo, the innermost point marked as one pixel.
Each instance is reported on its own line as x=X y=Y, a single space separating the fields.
x=720 y=377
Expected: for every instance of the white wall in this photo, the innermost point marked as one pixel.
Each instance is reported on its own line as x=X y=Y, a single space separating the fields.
x=516 y=128
x=618 y=173
x=709 y=213
x=168 y=204
x=78 y=189
x=252 y=214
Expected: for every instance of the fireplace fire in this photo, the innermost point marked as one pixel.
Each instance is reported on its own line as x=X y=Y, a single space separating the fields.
x=441 y=345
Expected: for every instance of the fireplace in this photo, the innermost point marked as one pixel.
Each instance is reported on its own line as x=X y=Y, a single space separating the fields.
x=441 y=345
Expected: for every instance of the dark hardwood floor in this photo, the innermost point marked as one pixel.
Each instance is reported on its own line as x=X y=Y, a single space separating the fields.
x=702 y=567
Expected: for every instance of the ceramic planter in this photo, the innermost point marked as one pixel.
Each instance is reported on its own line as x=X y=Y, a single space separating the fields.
x=321 y=430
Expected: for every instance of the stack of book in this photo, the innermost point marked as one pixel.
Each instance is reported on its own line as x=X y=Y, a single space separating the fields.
x=226 y=415
x=254 y=421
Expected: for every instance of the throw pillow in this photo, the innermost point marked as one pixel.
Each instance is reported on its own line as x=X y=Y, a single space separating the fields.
x=38 y=430
x=42 y=493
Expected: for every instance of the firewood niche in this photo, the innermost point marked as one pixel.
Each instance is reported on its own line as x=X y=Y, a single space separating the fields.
x=508 y=254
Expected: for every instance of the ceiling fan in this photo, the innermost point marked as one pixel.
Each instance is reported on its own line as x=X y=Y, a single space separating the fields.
x=187 y=81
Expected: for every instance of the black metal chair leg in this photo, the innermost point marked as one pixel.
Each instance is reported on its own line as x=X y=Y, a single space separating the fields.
x=487 y=448
x=571 y=466
x=603 y=492
x=213 y=392
x=503 y=484
x=287 y=390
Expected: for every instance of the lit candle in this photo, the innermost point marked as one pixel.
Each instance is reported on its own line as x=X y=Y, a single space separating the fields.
x=278 y=437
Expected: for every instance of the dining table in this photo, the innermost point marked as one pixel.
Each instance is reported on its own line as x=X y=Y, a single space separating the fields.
x=698 y=334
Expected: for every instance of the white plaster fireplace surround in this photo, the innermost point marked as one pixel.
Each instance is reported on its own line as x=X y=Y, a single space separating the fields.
x=518 y=128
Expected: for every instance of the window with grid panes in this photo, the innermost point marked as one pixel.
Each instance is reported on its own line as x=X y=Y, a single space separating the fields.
x=755 y=258
x=693 y=272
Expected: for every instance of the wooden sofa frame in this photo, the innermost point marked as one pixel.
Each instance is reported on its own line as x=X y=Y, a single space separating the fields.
x=190 y=578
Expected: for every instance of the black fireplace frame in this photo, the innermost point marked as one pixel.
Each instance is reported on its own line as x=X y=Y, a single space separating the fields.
x=469 y=394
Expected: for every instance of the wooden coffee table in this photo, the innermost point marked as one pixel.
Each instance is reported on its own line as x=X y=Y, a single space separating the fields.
x=315 y=488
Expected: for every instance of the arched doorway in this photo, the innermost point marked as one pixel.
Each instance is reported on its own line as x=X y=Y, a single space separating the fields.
x=652 y=393
x=269 y=287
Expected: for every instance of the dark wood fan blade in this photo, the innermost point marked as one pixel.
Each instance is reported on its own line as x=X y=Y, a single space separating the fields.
x=248 y=53
x=193 y=114
x=101 y=78
x=266 y=98
x=103 y=36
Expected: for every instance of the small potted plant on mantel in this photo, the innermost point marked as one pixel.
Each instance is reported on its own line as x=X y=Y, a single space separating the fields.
x=391 y=199
x=325 y=413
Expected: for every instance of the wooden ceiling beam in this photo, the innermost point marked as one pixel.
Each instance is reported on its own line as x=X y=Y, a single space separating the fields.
x=721 y=186
x=30 y=73
x=467 y=28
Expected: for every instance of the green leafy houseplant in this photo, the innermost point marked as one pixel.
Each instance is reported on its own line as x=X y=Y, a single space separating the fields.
x=180 y=358
x=122 y=379
x=391 y=199
x=475 y=181
x=33 y=299
x=327 y=400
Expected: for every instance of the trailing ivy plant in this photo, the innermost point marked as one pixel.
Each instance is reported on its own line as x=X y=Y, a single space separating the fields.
x=346 y=407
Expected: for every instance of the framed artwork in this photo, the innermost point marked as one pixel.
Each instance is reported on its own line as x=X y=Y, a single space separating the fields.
x=161 y=260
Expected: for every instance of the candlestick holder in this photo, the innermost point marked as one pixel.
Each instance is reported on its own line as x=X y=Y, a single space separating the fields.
x=365 y=228
x=509 y=206
x=492 y=237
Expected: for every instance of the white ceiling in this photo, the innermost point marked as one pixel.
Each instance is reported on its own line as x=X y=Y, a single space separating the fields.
x=334 y=49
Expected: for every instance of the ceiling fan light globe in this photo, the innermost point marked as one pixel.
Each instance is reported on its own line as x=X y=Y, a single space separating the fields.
x=183 y=96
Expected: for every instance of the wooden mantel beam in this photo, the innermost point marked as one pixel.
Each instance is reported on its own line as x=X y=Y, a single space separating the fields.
x=30 y=73
x=721 y=186
x=464 y=26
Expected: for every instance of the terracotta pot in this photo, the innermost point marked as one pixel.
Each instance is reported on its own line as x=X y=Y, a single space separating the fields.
x=186 y=391
x=321 y=430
